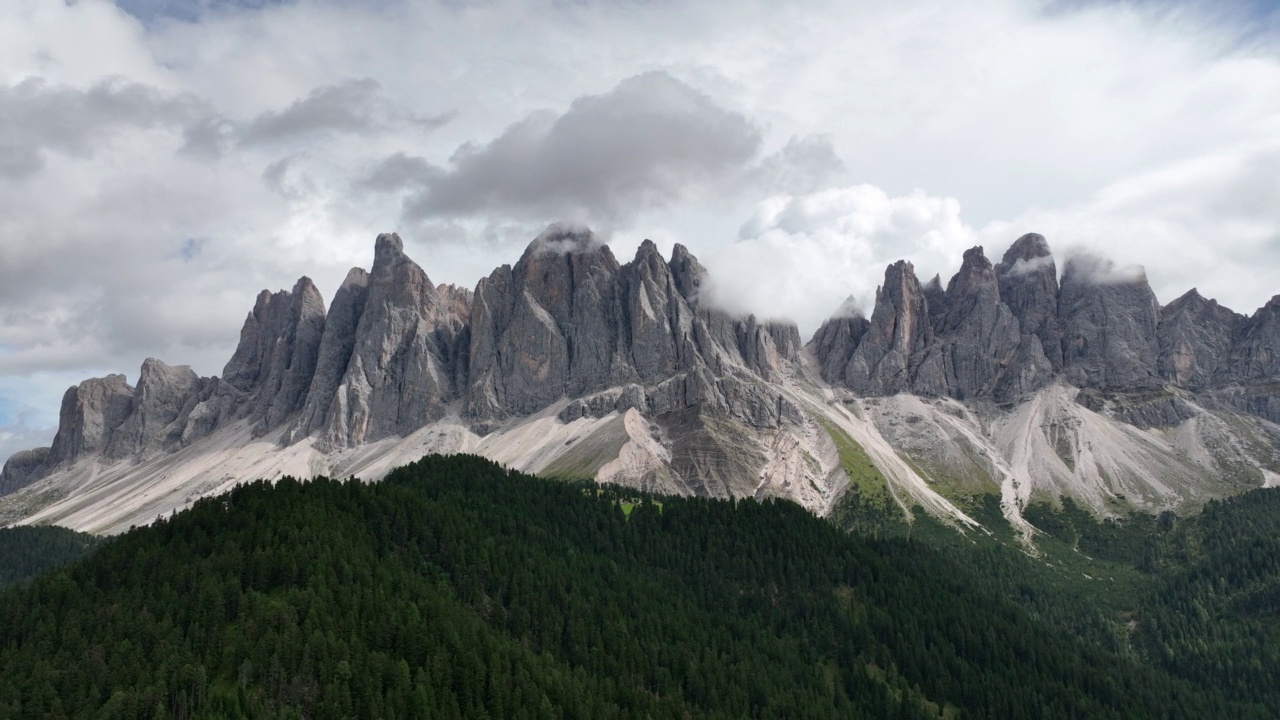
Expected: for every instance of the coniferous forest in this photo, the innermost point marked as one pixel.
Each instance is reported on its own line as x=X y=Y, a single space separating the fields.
x=26 y=552
x=458 y=589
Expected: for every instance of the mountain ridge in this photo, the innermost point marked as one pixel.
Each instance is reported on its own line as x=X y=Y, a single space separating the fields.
x=668 y=393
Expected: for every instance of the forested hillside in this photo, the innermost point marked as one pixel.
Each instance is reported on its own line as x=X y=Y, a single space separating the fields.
x=458 y=589
x=25 y=552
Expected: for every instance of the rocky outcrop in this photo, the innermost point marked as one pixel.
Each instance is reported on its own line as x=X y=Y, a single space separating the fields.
x=161 y=404
x=1001 y=333
x=837 y=339
x=545 y=328
x=334 y=354
x=1195 y=337
x=978 y=349
x=899 y=329
x=936 y=296
x=1250 y=374
x=22 y=468
x=409 y=345
x=267 y=378
x=567 y=321
x=1109 y=318
x=1028 y=280
x=1255 y=350
x=91 y=412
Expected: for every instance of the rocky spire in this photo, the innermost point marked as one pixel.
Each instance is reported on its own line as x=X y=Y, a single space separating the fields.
x=836 y=340
x=334 y=354
x=1195 y=337
x=23 y=468
x=1109 y=318
x=899 y=328
x=1252 y=368
x=408 y=341
x=937 y=299
x=160 y=404
x=547 y=328
x=1028 y=280
x=688 y=273
x=658 y=320
x=1255 y=352
x=91 y=412
x=978 y=341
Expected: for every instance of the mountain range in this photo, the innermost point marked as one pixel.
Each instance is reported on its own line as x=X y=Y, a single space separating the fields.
x=1010 y=379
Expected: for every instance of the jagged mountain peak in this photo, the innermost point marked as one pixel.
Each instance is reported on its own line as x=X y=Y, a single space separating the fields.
x=689 y=274
x=1026 y=248
x=563 y=239
x=355 y=276
x=387 y=249
x=975 y=273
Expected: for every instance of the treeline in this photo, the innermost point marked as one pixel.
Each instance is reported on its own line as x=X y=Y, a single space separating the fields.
x=458 y=589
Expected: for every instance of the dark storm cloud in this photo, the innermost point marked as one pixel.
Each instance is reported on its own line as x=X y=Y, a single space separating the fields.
x=355 y=106
x=642 y=144
x=36 y=119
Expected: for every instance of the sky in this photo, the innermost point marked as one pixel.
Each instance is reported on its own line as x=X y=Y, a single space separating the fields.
x=161 y=161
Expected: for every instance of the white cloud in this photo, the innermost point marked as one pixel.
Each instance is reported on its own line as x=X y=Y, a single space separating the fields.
x=1209 y=222
x=801 y=257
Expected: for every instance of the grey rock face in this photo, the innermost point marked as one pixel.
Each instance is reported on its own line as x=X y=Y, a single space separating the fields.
x=688 y=273
x=402 y=372
x=276 y=357
x=1195 y=339
x=545 y=328
x=658 y=321
x=836 y=340
x=1251 y=372
x=163 y=399
x=1028 y=281
x=1143 y=409
x=1109 y=318
x=334 y=354
x=1255 y=352
x=936 y=296
x=22 y=468
x=569 y=322
x=90 y=413
x=899 y=329
x=977 y=349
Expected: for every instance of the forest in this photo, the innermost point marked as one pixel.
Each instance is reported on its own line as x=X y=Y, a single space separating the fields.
x=458 y=589
x=26 y=552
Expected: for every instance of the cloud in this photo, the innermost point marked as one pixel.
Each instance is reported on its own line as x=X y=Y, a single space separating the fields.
x=643 y=144
x=805 y=164
x=1095 y=270
x=1209 y=222
x=397 y=172
x=37 y=118
x=354 y=106
x=1022 y=266
x=800 y=257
